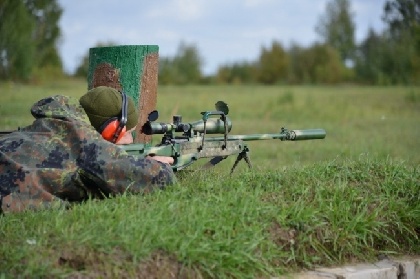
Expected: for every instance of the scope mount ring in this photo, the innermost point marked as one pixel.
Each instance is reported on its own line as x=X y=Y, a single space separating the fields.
x=206 y=115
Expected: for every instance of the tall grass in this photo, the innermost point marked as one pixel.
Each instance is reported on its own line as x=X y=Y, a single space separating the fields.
x=347 y=198
x=211 y=225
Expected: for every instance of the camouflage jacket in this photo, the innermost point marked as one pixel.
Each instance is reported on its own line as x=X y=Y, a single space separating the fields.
x=61 y=158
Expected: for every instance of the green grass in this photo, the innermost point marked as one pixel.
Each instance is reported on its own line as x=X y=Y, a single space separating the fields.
x=344 y=199
x=379 y=121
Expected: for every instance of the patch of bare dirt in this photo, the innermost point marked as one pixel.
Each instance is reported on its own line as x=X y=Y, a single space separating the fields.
x=119 y=264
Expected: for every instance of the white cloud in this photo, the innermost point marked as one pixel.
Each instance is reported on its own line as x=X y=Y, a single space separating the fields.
x=256 y=3
x=183 y=10
x=260 y=33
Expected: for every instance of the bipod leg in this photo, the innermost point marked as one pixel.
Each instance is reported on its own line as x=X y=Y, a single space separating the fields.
x=247 y=159
x=242 y=155
x=214 y=161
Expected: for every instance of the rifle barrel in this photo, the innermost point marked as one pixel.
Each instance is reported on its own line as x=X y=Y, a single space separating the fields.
x=291 y=135
x=308 y=134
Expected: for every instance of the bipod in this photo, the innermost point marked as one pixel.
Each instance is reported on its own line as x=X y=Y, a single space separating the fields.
x=242 y=155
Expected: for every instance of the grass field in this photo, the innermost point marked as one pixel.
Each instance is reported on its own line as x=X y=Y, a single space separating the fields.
x=347 y=198
x=382 y=122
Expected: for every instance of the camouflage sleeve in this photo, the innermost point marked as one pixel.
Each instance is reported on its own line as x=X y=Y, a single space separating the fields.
x=114 y=171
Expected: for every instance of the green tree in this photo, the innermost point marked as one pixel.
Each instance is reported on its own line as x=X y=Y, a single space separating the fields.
x=167 y=71
x=403 y=19
x=369 y=62
x=188 y=64
x=297 y=72
x=184 y=68
x=29 y=33
x=402 y=16
x=272 y=64
x=383 y=60
x=319 y=63
x=46 y=35
x=240 y=72
x=17 y=52
x=336 y=28
x=83 y=68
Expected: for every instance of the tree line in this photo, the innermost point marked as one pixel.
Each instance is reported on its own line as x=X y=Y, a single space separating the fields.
x=29 y=34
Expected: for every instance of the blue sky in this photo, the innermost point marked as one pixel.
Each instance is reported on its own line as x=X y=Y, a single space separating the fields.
x=224 y=31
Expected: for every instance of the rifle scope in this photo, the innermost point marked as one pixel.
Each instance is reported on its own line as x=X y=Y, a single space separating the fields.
x=213 y=126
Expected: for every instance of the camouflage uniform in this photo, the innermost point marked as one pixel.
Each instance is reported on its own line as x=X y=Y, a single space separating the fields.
x=61 y=158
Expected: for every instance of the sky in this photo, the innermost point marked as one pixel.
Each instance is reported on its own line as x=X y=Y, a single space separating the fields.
x=224 y=31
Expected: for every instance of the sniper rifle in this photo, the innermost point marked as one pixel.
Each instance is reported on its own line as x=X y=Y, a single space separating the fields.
x=188 y=142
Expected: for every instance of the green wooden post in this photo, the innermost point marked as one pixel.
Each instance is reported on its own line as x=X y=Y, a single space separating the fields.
x=132 y=69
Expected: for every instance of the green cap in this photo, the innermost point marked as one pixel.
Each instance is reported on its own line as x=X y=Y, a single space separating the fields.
x=102 y=103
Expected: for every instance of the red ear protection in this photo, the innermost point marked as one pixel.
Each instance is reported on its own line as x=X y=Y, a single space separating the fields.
x=114 y=128
x=110 y=130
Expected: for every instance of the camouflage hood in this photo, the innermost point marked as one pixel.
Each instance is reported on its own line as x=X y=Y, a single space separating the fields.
x=60 y=107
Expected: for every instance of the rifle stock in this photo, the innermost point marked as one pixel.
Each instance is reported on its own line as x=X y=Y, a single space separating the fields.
x=187 y=152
